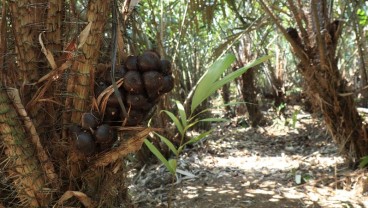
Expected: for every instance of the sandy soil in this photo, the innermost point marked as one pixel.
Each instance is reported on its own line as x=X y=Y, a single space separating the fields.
x=280 y=165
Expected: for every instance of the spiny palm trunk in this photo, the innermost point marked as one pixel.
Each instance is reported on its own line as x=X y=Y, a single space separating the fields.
x=84 y=68
x=105 y=185
x=81 y=80
x=27 y=23
x=316 y=48
x=22 y=166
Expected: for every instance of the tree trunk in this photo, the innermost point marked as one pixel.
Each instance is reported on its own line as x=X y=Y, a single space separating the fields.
x=225 y=93
x=363 y=57
x=250 y=97
x=22 y=167
x=316 y=49
x=30 y=178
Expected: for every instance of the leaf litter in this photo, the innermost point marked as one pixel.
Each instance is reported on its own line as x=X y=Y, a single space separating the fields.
x=273 y=166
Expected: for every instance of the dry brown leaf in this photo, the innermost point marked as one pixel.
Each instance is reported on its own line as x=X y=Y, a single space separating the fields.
x=126 y=147
x=84 y=34
x=46 y=164
x=54 y=73
x=104 y=96
x=83 y=198
x=47 y=53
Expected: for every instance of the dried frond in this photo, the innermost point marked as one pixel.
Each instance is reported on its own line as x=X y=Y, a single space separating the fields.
x=131 y=145
x=104 y=96
x=83 y=198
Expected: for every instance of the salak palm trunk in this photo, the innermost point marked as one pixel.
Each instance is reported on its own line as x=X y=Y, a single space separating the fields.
x=315 y=45
x=22 y=167
x=40 y=166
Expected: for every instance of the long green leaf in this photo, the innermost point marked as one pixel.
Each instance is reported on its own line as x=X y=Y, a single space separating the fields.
x=183 y=115
x=173 y=164
x=190 y=125
x=199 y=137
x=158 y=154
x=206 y=81
x=168 y=143
x=233 y=75
x=176 y=121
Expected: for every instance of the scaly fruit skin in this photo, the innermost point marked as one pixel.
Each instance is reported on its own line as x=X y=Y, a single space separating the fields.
x=131 y=63
x=166 y=67
x=149 y=61
x=103 y=133
x=133 y=82
x=85 y=143
x=145 y=79
x=135 y=117
x=167 y=84
x=89 y=121
x=153 y=82
x=138 y=101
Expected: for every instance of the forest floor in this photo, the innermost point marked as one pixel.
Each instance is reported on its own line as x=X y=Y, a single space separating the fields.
x=289 y=163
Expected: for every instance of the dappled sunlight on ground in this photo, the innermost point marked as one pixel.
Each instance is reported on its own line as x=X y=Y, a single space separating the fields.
x=246 y=167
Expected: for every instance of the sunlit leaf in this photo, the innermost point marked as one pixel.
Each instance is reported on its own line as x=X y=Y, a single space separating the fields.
x=294 y=118
x=158 y=154
x=176 y=121
x=183 y=115
x=233 y=75
x=363 y=162
x=168 y=143
x=205 y=83
x=199 y=137
x=173 y=163
x=190 y=125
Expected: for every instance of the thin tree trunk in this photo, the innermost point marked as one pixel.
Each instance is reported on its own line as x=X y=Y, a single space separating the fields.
x=362 y=47
x=225 y=93
x=249 y=96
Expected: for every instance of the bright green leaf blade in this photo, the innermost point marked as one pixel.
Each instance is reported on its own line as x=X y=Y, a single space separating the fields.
x=190 y=125
x=158 y=154
x=363 y=162
x=233 y=75
x=212 y=74
x=199 y=137
x=173 y=164
x=176 y=122
x=168 y=143
x=214 y=120
x=183 y=115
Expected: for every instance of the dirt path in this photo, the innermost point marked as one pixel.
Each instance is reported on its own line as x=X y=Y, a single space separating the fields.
x=275 y=166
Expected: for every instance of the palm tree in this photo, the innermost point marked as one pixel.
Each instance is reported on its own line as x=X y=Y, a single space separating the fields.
x=314 y=42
